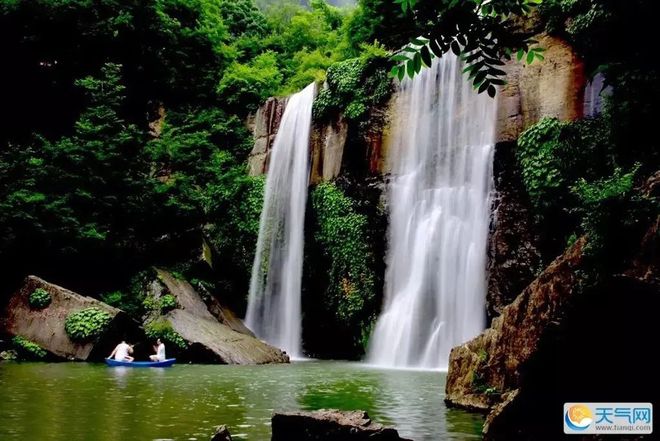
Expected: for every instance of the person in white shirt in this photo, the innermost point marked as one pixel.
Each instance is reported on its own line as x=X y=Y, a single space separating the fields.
x=121 y=352
x=160 y=351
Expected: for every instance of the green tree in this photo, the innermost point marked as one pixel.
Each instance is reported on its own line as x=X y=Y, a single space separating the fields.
x=482 y=33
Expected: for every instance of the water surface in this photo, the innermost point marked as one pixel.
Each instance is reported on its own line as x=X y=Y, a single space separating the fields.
x=77 y=401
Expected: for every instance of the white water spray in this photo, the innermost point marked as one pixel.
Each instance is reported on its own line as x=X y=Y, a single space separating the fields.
x=274 y=303
x=440 y=197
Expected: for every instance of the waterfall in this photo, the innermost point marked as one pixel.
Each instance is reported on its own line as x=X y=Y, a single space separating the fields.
x=274 y=303
x=594 y=93
x=442 y=144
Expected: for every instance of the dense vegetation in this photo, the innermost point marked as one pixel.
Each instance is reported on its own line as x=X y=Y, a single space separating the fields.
x=126 y=133
x=39 y=298
x=87 y=324
x=125 y=141
x=27 y=350
x=585 y=177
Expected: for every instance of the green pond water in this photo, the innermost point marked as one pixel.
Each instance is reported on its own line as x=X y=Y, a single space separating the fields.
x=77 y=401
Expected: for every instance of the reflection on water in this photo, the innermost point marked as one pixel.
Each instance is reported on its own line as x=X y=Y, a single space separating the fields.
x=93 y=402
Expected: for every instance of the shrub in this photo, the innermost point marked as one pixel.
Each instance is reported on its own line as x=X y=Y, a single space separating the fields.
x=40 y=298
x=602 y=201
x=167 y=303
x=554 y=154
x=129 y=302
x=247 y=85
x=28 y=350
x=354 y=86
x=86 y=324
x=340 y=233
x=161 y=328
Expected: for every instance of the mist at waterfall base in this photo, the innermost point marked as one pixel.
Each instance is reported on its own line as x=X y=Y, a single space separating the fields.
x=442 y=145
x=274 y=305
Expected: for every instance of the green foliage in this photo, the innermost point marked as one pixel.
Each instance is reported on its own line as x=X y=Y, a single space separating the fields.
x=601 y=203
x=247 y=85
x=482 y=33
x=479 y=381
x=126 y=301
x=86 y=324
x=340 y=232
x=39 y=298
x=167 y=303
x=554 y=154
x=354 y=86
x=242 y=17
x=28 y=350
x=161 y=328
x=235 y=239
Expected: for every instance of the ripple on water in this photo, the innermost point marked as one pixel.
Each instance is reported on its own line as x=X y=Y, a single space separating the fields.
x=189 y=401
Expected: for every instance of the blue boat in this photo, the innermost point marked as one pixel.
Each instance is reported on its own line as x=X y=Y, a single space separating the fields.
x=160 y=364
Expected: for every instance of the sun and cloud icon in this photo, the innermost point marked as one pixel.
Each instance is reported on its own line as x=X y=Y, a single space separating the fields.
x=578 y=417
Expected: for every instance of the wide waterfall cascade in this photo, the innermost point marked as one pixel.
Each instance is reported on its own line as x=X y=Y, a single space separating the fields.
x=274 y=311
x=442 y=144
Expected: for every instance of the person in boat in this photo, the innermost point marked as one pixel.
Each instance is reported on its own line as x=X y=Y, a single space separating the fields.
x=159 y=348
x=122 y=351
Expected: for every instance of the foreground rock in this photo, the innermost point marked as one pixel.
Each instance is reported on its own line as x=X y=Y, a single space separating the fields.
x=45 y=327
x=329 y=425
x=212 y=338
x=221 y=434
x=488 y=365
x=571 y=335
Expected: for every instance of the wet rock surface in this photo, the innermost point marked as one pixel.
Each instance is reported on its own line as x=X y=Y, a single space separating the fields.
x=212 y=338
x=330 y=425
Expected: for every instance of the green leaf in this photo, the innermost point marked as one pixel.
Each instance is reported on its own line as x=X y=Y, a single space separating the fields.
x=520 y=54
x=435 y=48
x=530 y=57
x=426 y=56
x=455 y=48
x=418 y=62
x=401 y=73
x=492 y=91
x=399 y=58
x=410 y=68
x=420 y=41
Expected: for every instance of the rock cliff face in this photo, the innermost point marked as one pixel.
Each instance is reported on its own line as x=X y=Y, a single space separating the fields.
x=513 y=254
x=213 y=333
x=264 y=125
x=553 y=87
x=45 y=327
x=327 y=149
x=560 y=341
x=488 y=365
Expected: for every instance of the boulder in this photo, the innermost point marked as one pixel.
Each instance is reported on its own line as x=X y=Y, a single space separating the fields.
x=565 y=338
x=45 y=327
x=329 y=425
x=483 y=368
x=212 y=338
x=221 y=434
